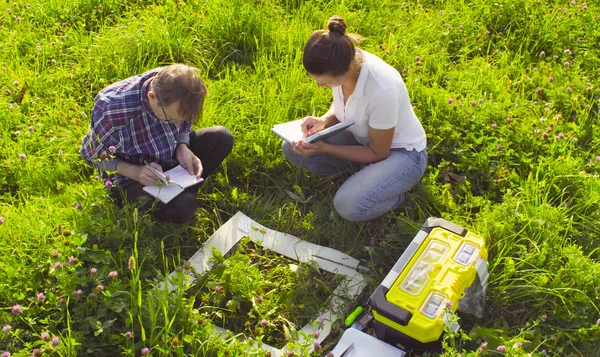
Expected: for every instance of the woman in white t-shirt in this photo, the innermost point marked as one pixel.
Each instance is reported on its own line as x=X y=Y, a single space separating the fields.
x=386 y=145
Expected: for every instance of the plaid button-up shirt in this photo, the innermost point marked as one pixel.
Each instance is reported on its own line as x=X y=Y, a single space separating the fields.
x=122 y=118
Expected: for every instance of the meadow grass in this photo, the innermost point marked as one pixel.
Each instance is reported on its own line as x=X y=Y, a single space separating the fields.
x=507 y=92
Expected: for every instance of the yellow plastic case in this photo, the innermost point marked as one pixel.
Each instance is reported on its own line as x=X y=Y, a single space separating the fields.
x=442 y=261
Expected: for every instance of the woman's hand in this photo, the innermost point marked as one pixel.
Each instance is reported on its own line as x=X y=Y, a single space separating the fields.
x=311 y=125
x=306 y=149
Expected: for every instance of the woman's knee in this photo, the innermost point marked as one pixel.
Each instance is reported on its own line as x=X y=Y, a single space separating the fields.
x=289 y=154
x=349 y=206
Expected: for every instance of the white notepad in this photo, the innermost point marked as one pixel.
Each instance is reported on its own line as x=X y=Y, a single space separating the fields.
x=180 y=180
x=292 y=131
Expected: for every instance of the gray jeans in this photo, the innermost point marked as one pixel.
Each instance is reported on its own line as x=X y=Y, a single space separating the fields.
x=373 y=189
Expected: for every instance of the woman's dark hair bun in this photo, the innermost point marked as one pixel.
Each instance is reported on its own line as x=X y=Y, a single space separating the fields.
x=336 y=24
x=329 y=51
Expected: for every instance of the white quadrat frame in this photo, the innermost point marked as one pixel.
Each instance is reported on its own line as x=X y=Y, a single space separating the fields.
x=331 y=260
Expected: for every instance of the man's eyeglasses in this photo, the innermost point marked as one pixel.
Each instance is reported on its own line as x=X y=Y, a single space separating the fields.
x=169 y=121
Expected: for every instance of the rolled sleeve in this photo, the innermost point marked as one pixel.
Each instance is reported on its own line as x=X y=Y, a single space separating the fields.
x=184 y=138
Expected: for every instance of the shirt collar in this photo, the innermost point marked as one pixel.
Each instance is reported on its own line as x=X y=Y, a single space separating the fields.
x=145 y=103
x=362 y=76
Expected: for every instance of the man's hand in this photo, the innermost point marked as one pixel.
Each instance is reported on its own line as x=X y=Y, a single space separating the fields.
x=145 y=176
x=188 y=160
x=141 y=174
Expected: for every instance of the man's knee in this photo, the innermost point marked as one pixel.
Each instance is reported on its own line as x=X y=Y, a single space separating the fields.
x=181 y=209
x=225 y=139
x=216 y=141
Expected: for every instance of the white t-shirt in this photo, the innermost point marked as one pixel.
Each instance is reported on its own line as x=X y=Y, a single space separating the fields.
x=380 y=101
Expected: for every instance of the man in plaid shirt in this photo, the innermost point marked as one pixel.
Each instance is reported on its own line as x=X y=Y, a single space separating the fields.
x=148 y=118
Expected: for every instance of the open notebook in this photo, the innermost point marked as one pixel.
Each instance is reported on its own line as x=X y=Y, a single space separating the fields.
x=179 y=179
x=292 y=131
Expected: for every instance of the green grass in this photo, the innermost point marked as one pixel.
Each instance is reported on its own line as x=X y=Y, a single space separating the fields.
x=498 y=163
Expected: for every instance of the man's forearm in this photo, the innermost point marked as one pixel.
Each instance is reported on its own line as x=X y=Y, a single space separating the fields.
x=128 y=170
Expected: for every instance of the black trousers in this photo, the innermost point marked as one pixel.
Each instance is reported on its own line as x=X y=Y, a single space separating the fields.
x=211 y=146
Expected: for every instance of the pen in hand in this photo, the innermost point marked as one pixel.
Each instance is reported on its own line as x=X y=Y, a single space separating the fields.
x=310 y=125
x=166 y=180
x=161 y=177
